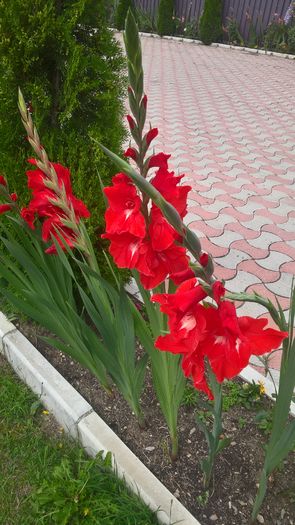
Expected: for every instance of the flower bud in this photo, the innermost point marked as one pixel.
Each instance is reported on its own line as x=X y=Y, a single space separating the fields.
x=131 y=121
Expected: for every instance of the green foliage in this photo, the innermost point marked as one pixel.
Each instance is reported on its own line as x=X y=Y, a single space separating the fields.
x=247 y=395
x=121 y=12
x=210 y=27
x=42 y=286
x=145 y=21
x=87 y=491
x=234 y=35
x=190 y=396
x=46 y=474
x=264 y=420
x=276 y=36
x=73 y=76
x=282 y=436
x=202 y=499
x=213 y=433
x=191 y=29
x=291 y=39
x=165 y=22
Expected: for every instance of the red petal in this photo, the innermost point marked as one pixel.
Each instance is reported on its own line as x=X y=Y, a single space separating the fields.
x=151 y=135
x=159 y=161
x=4 y=208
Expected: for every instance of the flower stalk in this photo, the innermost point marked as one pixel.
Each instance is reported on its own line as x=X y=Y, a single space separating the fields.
x=216 y=443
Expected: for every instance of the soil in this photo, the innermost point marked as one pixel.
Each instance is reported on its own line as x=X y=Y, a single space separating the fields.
x=232 y=492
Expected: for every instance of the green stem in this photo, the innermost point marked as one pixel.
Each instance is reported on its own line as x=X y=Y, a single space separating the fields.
x=174 y=445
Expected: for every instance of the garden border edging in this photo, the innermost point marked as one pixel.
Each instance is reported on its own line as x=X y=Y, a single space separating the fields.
x=78 y=418
x=252 y=50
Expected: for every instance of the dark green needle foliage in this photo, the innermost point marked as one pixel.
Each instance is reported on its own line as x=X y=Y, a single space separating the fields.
x=70 y=70
x=210 y=29
x=165 y=22
x=121 y=12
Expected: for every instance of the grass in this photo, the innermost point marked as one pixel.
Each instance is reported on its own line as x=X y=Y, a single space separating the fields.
x=47 y=479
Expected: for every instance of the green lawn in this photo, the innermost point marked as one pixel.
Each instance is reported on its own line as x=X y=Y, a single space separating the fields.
x=45 y=478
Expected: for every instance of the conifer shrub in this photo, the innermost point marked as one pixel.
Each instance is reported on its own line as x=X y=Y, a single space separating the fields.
x=165 y=22
x=210 y=29
x=71 y=72
x=121 y=12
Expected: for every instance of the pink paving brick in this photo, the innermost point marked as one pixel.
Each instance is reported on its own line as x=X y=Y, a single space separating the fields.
x=245 y=232
x=284 y=247
x=285 y=235
x=220 y=114
x=208 y=231
x=215 y=251
x=264 y=274
x=224 y=273
x=262 y=290
x=244 y=246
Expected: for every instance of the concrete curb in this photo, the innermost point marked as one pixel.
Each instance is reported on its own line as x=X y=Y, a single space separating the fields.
x=251 y=50
x=77 y=417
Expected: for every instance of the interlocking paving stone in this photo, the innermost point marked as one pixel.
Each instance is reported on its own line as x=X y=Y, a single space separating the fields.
x=227 y=118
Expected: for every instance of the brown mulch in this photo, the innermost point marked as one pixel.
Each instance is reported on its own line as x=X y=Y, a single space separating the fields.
x=230 y=498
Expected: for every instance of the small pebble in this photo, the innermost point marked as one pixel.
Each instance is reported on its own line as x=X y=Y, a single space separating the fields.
x=213 y=517
x=149 y=449
x=192 y=431
x=260 y=518
x=177 y=493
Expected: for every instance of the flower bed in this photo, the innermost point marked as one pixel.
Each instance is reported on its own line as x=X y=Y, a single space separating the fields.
x=231 y=497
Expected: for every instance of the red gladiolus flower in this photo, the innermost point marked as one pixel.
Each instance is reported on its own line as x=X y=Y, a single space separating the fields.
x=181 y=277
x=160 y=264
x=218 y=291
x=124 y=215
x=151 y=135
x=204 y=258
x=193 y=365
x=43 y=205
x=196 y=332
x=37 y=177
x=160 y=160
x=181 y=306
x=167 y=184
x=234 y=339
x=131 y=121
x=131 y=153
x=13 y=197
x=144 y=101
x=53 y=227
x=162 y=234
x=4 y=208
x=29 y=216
x=124 y=249
x=2 y=181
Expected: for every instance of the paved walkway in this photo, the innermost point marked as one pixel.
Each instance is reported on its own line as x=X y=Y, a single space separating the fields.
x=228 y=119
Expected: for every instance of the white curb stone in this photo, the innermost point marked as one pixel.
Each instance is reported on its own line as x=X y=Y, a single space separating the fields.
x=54 y=391
x=95 y=435
x=6 y=327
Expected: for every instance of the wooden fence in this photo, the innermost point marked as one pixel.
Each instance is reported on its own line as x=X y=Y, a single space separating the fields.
x=257 y=12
